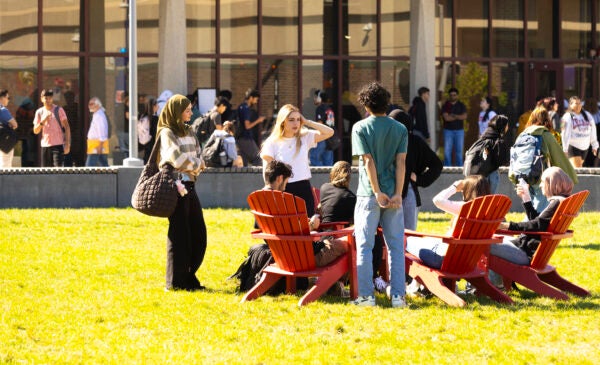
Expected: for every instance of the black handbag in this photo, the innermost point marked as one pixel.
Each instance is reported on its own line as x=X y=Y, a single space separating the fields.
x=8 y=138
x=155 y=193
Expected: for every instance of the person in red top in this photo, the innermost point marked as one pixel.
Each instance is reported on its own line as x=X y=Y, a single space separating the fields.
x=56 y=134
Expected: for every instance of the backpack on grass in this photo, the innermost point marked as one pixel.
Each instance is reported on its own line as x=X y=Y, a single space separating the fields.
x=526 y=159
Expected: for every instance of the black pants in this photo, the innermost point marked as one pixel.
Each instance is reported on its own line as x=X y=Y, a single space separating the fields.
x=186 y=242
x=53 y=156
x=303 y=189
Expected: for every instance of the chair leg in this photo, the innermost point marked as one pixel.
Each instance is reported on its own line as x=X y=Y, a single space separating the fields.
x=324 y=282
x=266 y=281
x=525 y=276
x=554 y=279
x=435 y=284
x=484 y=286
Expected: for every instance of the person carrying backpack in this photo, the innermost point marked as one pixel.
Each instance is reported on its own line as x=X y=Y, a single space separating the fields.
x=220 y=150
x=489 y=152
x=551 y=151
x=578 y=133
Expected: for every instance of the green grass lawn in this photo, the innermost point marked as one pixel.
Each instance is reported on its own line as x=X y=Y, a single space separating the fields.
x=87 y=287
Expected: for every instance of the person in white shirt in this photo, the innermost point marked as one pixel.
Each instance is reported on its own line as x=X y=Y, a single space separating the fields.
x=290 y=142
x=97 y=137
x=485 y=115
x=578 y=133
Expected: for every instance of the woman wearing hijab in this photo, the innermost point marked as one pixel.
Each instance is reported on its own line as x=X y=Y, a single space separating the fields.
x=186 y=239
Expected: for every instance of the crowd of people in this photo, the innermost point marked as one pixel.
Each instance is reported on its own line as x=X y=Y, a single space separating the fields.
x=394 y=160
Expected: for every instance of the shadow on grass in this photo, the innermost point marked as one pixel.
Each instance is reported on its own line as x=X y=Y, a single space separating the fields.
x=589 y=246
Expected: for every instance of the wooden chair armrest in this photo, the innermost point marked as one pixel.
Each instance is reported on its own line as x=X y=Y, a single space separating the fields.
x=337 y=233
x=314 y=236
x=552 y=235
x=334 y=225
x=453 y=240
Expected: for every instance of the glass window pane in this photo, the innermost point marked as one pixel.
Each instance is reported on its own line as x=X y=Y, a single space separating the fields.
x=200 y=26
x=395 y=76
x=361 y=28
x=443 y=29
x=318 y=75
x=62 y=75
x=540 y=39
x=395 y=28
x=278 y=87
x=577 y=81
x=507 y=88
x=319 y=28
x=18 y=27
x=238 y=75
x=507 y=28
x=147 y=26
x=355 y=74
x=472 y=37
x=238 y=26
x=108 y=24
x=280 y=18
x=61 y=26
x=576 y=29
x=201 y=73
x=19 y=75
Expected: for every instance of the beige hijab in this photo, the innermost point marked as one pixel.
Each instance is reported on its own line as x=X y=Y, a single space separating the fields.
x=170 y=117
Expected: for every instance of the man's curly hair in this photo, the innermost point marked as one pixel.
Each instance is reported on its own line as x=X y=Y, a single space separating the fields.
x=375 y=97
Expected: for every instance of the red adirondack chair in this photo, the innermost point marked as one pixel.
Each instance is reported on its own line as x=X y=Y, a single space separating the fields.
x=284 y=226
x=472 y=234
x=538 y=275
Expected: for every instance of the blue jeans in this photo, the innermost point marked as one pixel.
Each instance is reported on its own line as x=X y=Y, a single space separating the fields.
x=494 y=178
x=411 y=211
x=511 y=253
x=368 y=215
x=454 y=140
x=95 y=159
x=430 y=250
x=316 y=154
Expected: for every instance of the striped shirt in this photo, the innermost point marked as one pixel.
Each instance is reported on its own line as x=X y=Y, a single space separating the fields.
x=183 y=153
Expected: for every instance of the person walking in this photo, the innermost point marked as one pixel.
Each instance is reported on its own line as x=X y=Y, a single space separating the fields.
x=97 y=137
x=578 y=133
x=186 y=238
x=380 y=144
x=51 y=120
x=7 y=121
x=454 y=114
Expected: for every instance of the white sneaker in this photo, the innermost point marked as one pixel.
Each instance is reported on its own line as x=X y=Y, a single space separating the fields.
x=380 y=284
x=398 y=301
x=413 y=288
x=364 y=301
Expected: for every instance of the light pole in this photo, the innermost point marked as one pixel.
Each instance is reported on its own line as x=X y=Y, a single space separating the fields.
x=133 y=159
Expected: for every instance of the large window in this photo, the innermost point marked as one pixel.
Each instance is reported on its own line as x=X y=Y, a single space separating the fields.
x=280 y=27
x=395 y=77
x=200 y=26
x=319 y=28
x=361 y=28
x=239 y=26
x=507 y=28
x=18 y=25
x=61 y=26
x=472 y=38
x=541 y=34
x=395 y=28
x=238 y=75
x=576 y=28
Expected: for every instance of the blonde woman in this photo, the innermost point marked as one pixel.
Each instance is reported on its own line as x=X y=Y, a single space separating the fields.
x=289 y=142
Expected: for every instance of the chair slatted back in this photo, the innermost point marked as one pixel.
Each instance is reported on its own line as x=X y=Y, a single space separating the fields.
x=567 y=210
x=284 y=214
x=478 y=219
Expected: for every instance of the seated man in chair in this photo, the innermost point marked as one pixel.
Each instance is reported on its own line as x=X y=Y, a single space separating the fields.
x=276 y=175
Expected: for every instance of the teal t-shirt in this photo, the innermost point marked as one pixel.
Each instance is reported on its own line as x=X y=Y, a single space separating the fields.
x=383 y=138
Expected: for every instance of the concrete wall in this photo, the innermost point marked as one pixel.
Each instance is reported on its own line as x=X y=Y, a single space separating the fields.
x=112 y=187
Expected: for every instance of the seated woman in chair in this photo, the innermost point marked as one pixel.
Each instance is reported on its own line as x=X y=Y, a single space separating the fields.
x=556 y=185
x=431 y=250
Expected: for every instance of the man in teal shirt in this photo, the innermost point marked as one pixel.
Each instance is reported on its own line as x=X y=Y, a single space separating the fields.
x=380 y=143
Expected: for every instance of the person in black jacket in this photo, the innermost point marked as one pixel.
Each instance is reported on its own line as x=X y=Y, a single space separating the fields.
x=419 y=112
x=496 y=132
x=423 y=167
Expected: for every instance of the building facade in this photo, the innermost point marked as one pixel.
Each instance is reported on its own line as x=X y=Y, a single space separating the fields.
x=516 y=49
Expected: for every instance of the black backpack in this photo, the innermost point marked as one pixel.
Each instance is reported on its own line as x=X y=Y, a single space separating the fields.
x=203 y=127
x=250 y=271
x=213 y=151
x=478 y=159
